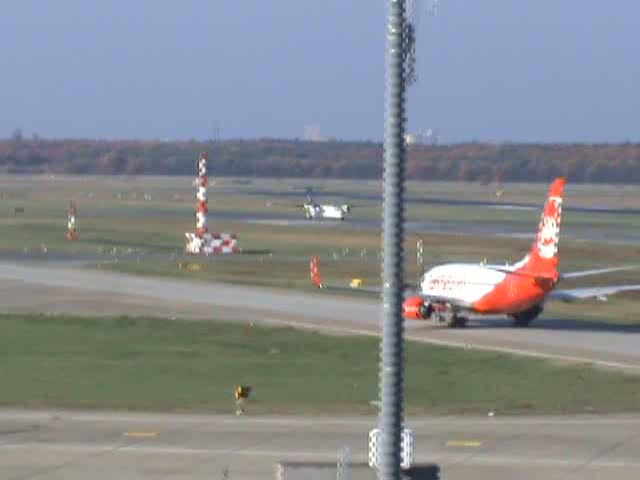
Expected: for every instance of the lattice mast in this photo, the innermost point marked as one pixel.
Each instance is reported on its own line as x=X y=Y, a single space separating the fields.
x=201 y=197
x=202 y=241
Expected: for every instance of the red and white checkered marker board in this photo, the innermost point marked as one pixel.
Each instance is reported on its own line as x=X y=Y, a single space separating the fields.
x=211 y=243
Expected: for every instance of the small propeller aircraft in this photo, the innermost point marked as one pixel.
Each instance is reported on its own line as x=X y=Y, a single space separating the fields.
x=314 y=210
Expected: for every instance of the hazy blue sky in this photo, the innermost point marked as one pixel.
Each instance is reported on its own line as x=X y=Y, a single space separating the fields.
x=544 y=70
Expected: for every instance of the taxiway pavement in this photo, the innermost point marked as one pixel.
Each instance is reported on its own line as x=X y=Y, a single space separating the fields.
x=37 y=288
x=52 y=445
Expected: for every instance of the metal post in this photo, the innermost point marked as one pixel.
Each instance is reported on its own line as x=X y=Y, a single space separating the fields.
x=392 y=354
x=344 y=461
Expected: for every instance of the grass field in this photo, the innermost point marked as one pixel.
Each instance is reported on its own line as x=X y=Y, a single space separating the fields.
x=119 y=229
x=619 y=196
x=152 y=364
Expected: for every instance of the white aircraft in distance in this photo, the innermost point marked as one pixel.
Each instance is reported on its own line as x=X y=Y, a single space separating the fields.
x=449 y=292
x=314 y=210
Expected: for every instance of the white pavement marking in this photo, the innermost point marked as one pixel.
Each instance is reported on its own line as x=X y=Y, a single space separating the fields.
x=330 y=314
x=315 y=454
x=460 y=344
x=66 y=416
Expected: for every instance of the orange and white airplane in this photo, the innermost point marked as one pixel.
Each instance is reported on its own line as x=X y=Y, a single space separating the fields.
x=449 y=292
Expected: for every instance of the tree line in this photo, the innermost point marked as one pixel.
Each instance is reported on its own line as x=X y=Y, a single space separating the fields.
x=593 y=163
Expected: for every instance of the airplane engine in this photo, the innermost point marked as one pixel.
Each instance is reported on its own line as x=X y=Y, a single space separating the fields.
x=345 y=208
x=415 y=308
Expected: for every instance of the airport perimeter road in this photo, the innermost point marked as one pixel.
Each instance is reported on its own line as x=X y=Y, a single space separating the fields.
x=70 y=446
x=42 y=288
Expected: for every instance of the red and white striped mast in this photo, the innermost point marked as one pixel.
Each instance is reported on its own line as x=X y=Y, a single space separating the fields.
x=202 y=241
x=201 y=196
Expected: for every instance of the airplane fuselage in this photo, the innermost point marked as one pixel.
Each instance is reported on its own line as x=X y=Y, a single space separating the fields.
x=334 y=212
x=479 y=289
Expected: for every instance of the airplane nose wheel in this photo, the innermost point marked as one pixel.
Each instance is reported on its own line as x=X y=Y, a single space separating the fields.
x=425 y=312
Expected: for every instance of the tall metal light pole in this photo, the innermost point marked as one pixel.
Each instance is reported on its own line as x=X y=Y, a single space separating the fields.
x=392 y=348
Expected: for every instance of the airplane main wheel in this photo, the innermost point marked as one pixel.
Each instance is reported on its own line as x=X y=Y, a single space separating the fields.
x=457 y=322
x=520 y=321
x=524 y=318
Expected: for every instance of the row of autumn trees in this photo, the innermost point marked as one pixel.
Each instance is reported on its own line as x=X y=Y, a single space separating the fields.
x=610 y=163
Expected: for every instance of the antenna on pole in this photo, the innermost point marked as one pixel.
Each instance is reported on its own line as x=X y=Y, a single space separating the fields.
x=409 y=53
x=412 y=20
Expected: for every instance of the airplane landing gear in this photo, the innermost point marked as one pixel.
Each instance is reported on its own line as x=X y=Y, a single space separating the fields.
x=457 y=321
x=447 y=315
x=524 y=318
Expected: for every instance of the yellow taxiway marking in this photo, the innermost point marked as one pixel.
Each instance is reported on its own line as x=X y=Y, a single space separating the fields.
x=141 y=434
x=464 y=443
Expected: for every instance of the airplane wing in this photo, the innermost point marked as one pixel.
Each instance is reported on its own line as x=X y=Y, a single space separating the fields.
x=347 y=288
x=574 y=294
x=359 y=205
x=599 y=271
x=583 y=273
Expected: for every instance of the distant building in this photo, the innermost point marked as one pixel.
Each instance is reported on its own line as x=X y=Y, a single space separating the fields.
x=313 y=133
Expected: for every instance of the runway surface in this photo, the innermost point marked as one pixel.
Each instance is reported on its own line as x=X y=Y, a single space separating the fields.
x=52 y=288
x=617 y=233
x=484 y=229
x=423 y=200
x=52 y=445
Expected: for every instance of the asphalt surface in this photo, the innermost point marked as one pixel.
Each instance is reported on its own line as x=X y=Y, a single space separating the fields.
x=55 y=289
x=615 y=234
x=469 y=229
x=64 y=445
x=296 y=218
x=55 y=445
x=423 y=200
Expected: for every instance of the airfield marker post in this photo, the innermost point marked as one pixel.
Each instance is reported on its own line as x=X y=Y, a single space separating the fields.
x=202 y=241
x=71 y=222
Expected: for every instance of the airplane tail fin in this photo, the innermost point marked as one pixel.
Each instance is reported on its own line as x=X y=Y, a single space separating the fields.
x=543 y=258
x=314 y=271
x=310 y=195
